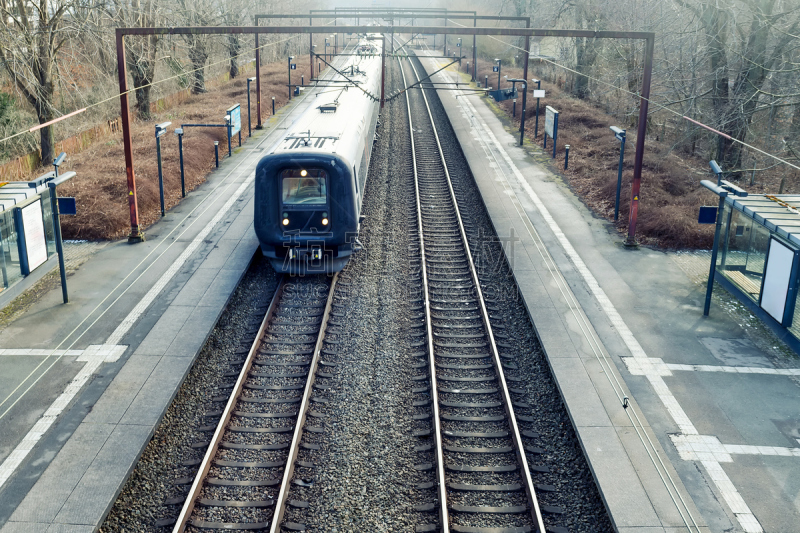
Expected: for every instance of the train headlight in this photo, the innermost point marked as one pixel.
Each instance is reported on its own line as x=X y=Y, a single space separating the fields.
x=285 y=221
x=304 y=173
x=324 y=221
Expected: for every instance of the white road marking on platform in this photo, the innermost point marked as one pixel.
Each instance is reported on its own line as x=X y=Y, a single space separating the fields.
x=111 y=350
x=22 y=450
x=106 y=352
x=638 y=366
x=732 y=497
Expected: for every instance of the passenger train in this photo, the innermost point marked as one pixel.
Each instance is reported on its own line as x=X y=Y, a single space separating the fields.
x=310 y=185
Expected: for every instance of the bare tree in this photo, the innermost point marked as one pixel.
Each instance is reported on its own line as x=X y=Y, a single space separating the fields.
x=140 y=51
x=32 y=36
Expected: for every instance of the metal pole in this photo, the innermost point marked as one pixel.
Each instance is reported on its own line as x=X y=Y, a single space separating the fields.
x=258 y=86
x=566 y=156
x=475 y=51
x=514 y=109
x=499 y=68
x=522 y=118
x=712 y=270
x=486 y=82
x=289 y=69
x=310 y=50
x=160 y=176
x=135 y=235
x=619 y=177
x=273 y=105
x=230 y=151
x=249 y=127
x=536 y=128
x=383 y=68
x=59 y=244
x=180 y=155
x=216 y=153
x=640 y=138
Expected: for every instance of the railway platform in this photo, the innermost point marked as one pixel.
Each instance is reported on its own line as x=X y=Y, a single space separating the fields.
x=85 y=384
x=688 y=423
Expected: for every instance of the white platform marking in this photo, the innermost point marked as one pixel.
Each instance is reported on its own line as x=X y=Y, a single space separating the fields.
x=94 y=356
x=97 y=354
x=650 y=369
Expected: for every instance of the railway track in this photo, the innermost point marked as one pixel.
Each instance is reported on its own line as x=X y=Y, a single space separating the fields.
x=466 y=397
x=244 y=479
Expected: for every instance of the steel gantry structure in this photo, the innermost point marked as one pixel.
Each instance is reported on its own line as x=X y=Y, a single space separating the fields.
x=527 y=32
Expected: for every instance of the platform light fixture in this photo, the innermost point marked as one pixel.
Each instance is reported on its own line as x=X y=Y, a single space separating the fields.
x=58 y=160
x=249 y=127
x=620 y=135
x=524 y=103
x=499 y=68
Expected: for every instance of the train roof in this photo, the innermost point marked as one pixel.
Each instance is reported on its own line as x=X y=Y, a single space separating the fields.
x=338 y=106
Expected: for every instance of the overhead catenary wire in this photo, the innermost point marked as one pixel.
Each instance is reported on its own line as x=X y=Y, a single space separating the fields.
x=660 y=106
x=151 y=84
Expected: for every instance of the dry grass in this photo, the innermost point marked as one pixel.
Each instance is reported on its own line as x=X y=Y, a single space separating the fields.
x=100 y=186
x=671 y=194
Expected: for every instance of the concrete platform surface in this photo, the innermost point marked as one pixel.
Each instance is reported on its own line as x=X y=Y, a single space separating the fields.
x=709 y=438
x=85 y=384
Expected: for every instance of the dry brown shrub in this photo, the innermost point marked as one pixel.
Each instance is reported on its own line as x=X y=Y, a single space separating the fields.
x=100 y=186
x=670 y=189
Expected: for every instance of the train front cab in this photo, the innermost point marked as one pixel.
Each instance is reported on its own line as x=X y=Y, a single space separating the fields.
x=305 y=212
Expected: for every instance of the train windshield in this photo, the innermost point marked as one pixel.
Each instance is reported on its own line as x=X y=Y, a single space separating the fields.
x=306 y=187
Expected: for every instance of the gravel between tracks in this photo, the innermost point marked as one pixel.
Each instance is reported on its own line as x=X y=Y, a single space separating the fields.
x=141 y=501
x=576 y=491
x=365 y=475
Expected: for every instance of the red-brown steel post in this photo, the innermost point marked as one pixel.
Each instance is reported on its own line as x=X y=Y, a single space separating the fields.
x=135 y=235
x=525 y=77
x=258 y=83
x=383 y=67
x=310 y=50
x=640 y=137
x=475 y=51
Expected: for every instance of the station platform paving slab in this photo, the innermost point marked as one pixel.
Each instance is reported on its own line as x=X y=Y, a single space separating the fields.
x=84 y=385
x=709 y=440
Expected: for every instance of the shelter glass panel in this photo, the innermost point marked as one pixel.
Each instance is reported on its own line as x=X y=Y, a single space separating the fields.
x=9 y=250
x=743 y=252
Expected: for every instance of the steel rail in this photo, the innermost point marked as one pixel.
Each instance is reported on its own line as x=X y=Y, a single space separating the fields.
x=283 y=495
x=202 y=472
x=444 y=517
x=536 y=512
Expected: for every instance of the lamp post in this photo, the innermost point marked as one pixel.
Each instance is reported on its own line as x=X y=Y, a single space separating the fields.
x=524 y=101
x=458 y=47
x=499 y=67
x=179 y=133
x=290 y=77
x=161 y=129
x=620 y=136
x=536 y=128
x=313 y=54
x=249 y=128
x=58 y=160
x=328 y=59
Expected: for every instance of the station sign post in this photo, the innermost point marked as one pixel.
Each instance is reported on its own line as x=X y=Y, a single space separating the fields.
x=61 y=206
x=235 y=112
x=161 y=129
x=551 y=127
